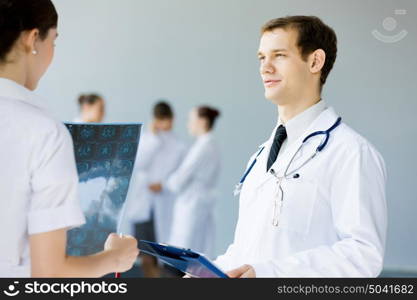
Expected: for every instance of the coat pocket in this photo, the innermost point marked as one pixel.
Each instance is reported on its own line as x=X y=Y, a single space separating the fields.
x=298 y=205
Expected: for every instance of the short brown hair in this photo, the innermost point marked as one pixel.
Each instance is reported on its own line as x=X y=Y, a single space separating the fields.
x=313 y=34
x=162 y=111
x=89 y=99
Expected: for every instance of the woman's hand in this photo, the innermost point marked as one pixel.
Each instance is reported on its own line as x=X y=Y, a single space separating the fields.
x=124 y=250
x=49 y=259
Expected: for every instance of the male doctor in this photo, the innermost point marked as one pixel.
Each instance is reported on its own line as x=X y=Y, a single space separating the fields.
x=306 y=215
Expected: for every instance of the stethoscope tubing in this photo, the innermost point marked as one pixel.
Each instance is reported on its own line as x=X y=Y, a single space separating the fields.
x=286 y=174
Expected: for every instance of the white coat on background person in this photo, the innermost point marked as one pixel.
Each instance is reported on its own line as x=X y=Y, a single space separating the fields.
x=168 y=160
x=158 y=156
x=194 y=184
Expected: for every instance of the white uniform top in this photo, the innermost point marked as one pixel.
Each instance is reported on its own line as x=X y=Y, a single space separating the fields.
x=299 y=124
x=158 y=156
x=333 y=218
x=77 y=120
x=195 y=183
x=38 y=177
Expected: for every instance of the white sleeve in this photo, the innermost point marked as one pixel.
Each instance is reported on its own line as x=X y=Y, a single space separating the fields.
x=360 y=217
x=149 y=144
x=186 y=171
x=54 y=200
x=225 y=261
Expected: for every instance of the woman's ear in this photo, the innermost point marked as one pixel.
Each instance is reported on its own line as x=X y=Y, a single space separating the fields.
x=317 y=60
x=29 y=40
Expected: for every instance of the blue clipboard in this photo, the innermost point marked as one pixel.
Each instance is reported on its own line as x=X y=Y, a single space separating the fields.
x=185 y=260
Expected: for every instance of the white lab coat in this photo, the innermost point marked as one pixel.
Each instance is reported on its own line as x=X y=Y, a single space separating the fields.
x=333 y=220
x=194 y=183
x=38 y=177
x=158 y=156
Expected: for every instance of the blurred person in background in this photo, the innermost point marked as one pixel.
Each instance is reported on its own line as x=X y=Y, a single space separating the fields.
x=92 y=109
x=149 y=215
x=194 y=184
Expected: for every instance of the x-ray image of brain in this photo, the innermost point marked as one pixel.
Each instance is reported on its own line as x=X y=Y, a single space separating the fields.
x=105 y=155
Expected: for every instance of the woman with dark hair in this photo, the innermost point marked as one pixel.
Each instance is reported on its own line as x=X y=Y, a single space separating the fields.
x=92 y=108
x=194 y=184
x=38 y=178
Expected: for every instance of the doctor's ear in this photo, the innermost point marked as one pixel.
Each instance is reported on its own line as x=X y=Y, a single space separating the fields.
x=29 y=40
x=317 y=60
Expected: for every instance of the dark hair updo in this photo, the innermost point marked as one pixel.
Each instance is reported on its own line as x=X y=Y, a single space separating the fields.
x=208 y=113
x=17 y=16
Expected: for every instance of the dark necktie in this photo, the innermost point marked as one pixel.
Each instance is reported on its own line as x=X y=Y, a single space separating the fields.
x=280 y=136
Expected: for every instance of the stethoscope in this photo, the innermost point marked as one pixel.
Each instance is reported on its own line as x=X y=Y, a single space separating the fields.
x=294 y=173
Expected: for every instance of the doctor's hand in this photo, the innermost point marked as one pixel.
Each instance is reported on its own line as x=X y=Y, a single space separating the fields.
x=156 y=187
x=245 y=271
x=124 y=251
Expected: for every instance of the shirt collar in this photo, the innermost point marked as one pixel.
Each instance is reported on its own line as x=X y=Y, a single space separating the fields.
x=301 y=122
x=12 y=90
x=206 y=136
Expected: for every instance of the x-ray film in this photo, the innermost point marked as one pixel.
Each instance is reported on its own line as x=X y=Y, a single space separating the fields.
x=105 y=156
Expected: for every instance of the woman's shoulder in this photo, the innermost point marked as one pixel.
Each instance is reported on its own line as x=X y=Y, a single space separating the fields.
x=35 y=120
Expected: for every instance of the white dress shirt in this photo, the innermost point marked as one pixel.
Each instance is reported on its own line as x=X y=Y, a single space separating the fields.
x=299 y=124
x=38 y=177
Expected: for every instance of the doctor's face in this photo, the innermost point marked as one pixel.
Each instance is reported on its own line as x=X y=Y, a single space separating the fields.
x=283 y=70
x=196 y=125
x=93 y=113
x=192 y=122
x=165 y=124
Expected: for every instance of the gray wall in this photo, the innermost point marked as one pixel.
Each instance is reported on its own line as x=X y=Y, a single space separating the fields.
x=194 y=51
